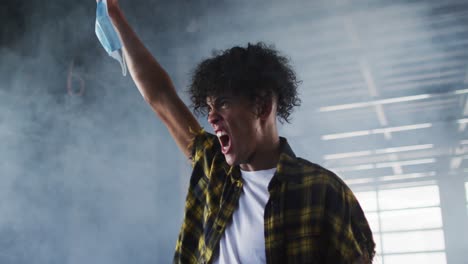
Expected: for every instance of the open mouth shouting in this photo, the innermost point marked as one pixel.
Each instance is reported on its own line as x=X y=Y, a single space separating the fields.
x=224 y=140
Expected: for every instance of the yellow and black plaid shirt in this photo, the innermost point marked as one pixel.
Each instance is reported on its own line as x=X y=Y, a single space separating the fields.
x=310 y=217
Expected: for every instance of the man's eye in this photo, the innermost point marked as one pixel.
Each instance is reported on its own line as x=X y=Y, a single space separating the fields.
x=223 y=104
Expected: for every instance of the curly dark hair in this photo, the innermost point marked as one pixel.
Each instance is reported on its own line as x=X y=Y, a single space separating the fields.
x=256 y=72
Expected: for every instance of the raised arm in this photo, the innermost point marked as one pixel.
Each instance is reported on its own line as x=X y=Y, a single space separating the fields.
x=154 y=83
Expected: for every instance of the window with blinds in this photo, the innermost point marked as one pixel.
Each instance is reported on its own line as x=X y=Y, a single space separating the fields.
x=407 y=224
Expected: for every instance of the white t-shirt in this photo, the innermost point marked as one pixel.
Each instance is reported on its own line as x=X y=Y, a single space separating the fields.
x=243 y=240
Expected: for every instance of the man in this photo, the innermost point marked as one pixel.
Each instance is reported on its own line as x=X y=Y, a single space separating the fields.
x=251 y=200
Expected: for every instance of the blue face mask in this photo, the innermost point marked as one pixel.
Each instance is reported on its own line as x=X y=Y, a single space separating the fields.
x=108 y=36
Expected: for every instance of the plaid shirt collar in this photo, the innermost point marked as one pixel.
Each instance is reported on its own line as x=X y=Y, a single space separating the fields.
x=287 y=159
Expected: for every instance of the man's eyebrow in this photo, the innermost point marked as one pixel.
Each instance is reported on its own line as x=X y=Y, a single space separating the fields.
x=217 y=100
x=222 y=98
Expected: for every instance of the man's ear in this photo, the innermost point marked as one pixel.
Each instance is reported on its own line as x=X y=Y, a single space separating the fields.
x=264 y=109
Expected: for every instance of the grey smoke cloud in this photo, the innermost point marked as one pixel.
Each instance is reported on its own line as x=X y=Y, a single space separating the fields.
x=90 y=178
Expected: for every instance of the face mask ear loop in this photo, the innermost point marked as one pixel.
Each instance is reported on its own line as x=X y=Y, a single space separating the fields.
x=123 y=64
x=121 y=58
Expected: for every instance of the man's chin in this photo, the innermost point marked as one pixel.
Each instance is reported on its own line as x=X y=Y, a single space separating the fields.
x=230 y=160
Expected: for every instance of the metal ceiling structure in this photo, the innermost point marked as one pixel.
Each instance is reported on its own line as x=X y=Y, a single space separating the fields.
x=385 y=90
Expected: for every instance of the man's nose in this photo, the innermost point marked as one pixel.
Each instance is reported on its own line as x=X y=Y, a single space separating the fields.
x=213 y=117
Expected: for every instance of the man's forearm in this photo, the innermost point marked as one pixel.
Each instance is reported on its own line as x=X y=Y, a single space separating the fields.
x=151 y=79
x=154 y=83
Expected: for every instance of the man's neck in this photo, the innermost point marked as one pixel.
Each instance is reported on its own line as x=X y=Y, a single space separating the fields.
x=265 y=157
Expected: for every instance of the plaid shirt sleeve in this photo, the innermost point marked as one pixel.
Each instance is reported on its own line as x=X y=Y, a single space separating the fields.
x=191 y=245
x=346 y=235
x=202 y=151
